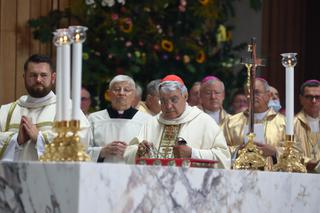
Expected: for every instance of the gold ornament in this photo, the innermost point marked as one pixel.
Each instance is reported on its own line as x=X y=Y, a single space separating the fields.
x=290 y=160
x=66 y=145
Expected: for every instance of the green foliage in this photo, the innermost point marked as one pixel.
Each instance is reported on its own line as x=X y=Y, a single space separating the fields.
x=149 y=39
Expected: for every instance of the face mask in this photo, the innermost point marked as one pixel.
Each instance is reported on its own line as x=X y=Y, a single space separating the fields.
x=275 y=104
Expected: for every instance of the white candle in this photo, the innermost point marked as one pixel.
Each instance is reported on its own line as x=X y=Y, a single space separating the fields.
x=76 y=79
x=289 y=100
x=66 y=82
x=59 y=84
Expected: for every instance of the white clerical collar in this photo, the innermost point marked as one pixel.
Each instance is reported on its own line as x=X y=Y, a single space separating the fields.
x=40 y=100
x=120 y=112
x=313 y=123
x=260 y=115
x=215 y=115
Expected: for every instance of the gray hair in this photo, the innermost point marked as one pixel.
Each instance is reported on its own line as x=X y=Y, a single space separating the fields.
x=152 y=87
x=265 y=84
x=213 y=81
x=139 y=90
x=121 y=78
x=169 y=86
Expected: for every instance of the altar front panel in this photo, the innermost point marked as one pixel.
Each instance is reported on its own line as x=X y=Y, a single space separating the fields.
x=92 y=187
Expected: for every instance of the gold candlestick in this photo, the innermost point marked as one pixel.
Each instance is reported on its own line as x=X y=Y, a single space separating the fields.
x=66 y=145
x=250 y=157
x=290 y=160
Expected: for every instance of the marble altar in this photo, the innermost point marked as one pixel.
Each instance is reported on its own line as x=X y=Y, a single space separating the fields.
x=94 y=188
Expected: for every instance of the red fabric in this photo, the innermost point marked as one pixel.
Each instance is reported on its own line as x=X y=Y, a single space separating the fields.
x=172 y=78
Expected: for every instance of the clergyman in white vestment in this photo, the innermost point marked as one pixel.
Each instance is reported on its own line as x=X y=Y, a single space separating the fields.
x=114 y=127
x=26 y=124
x=205 y=139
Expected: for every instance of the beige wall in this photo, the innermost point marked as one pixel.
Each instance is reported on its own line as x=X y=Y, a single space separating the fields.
x=16 y=43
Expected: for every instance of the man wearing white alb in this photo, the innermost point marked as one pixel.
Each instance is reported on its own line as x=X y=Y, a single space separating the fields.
x=114 y=127
x=26 y=125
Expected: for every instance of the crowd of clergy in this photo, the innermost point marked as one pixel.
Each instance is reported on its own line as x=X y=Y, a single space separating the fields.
x=170 y=122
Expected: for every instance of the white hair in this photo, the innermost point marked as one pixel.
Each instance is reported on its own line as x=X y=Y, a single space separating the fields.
x=265 y=84
x=169 y=86
x=213 y=81
x=121 y=78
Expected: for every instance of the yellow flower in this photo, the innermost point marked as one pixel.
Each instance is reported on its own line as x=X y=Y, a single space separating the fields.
x=125 y=25
x=204 y=2
x=85 y=56
x=167 y=45
x=221 y=34
x=201 y=57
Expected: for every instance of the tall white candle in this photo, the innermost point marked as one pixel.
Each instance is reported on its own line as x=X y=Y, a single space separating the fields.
x=66 y=82
x=78 y=34
x=76 y=79
x=289 y=100
x=59 y=84
x=289 y=60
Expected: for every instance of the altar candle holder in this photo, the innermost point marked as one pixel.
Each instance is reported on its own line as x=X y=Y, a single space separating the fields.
x=66 y=145
x=290 y=160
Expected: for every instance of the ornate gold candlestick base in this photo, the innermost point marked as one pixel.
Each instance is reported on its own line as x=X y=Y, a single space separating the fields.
x=290 y=160
x=66 y=145
x=250 y=157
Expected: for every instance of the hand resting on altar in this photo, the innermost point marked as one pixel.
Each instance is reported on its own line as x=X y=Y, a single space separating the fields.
x=114 y=149
x=182 y=151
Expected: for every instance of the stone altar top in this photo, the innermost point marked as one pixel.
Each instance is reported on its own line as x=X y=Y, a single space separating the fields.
x=92 y=187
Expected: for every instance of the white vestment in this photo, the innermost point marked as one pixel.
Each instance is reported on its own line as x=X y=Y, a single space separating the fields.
x=105 y=130
x=198 y=129
x=41 y=111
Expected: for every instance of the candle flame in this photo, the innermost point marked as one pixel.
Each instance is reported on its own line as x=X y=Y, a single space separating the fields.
x=77 y=37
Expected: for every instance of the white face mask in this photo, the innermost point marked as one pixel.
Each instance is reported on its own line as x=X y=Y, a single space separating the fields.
x=275 y=104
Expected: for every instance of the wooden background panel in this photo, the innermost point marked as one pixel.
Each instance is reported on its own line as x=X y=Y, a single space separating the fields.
x=23 y=41
x=16 y=43
x=8 y=49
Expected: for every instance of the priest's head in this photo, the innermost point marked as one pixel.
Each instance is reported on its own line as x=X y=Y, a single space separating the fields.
x=194 y=94
x=152 y=96
x=262 y=95
x=39 y=77
x=212 y=93
x=121 y=92
x=310 y=97
x=173 y=96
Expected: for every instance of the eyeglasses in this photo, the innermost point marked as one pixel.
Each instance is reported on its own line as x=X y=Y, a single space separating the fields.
x=121 y=89
x=311 y=97
x=259 y=93
x=171 y=100
x=209 y=93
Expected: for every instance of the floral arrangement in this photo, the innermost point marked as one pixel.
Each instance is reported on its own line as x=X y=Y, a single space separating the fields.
x=149 y=39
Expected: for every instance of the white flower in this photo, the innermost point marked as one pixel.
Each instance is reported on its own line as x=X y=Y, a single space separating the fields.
x=122 y=2
x=110 y=3
x=89 y=2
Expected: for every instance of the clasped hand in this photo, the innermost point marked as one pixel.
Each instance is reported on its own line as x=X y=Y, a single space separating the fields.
x=27 y=131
